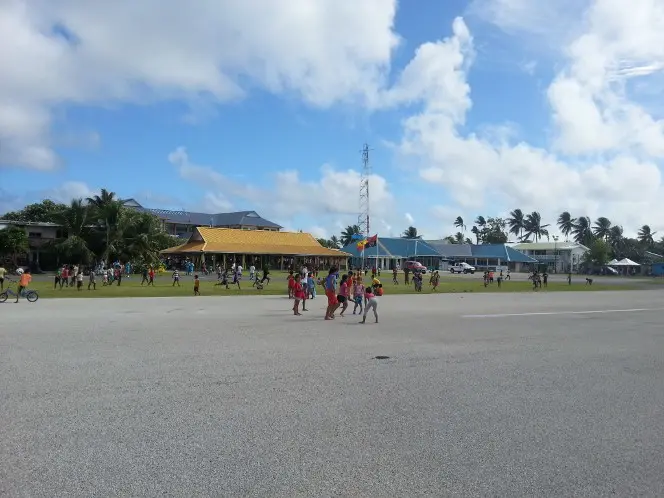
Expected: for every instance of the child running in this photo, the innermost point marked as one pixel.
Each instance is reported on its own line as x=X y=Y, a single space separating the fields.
x=197 y=284
x=298 y=294
x=435 y=280
x=343 y=294
x=358 y=295
x=370 y=303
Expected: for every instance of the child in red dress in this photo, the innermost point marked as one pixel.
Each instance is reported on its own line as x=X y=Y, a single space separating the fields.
x=298 y=294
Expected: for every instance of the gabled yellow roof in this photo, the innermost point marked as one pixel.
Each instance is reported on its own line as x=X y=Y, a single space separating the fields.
x=195 y=246
x=234 y=241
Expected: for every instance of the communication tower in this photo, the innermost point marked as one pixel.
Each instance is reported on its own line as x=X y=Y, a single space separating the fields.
x=363 y=217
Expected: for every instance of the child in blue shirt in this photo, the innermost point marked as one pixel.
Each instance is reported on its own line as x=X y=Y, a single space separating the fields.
x=311 y=286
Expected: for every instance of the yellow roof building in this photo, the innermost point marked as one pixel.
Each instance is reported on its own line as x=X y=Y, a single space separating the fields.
x=256 y=242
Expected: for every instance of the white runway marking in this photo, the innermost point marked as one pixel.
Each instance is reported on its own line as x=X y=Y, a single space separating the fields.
x=544 y=313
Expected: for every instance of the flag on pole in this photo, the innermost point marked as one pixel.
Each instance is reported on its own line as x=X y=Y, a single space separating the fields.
x=371 y=241
x=360 y=245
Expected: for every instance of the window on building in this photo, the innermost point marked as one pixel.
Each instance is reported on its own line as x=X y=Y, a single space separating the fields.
x=35 y=235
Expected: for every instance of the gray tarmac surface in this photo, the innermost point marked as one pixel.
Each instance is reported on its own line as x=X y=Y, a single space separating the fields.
x=557 y=394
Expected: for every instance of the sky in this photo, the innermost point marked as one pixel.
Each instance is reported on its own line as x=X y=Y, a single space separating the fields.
x=469 y=108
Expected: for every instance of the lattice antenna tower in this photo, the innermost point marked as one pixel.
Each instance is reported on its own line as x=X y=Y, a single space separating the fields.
x=363 y=219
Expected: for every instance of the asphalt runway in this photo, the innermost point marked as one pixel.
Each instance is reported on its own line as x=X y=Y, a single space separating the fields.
x=539 y=394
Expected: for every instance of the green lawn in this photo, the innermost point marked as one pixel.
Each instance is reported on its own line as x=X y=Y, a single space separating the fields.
x=163 y=287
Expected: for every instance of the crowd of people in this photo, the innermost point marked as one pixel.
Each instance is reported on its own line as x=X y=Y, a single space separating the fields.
x=340 y=291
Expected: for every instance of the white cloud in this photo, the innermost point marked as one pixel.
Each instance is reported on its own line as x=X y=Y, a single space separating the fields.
x=97 y=53
x=68 y=191
x=334 y=194
x=621 y=181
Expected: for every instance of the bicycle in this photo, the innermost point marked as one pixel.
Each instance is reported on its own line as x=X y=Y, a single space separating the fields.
x=28 y=294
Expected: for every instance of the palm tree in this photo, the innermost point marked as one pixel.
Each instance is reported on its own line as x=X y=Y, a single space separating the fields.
x=582 y=231
x=516 y=222
x=476 y=231
x=458 y=223
x=602 y=228
x=616 y=239
x=347 y=234
x=107 y=209
x=458 y=238
x=410 y=233
x=450 y=239
x=645 y=235
x=533 y=226
x=480 y=222
x=566 y=224
x=334 y=242
x=74 y=221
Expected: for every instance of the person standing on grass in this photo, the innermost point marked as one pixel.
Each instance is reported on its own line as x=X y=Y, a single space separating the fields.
x=176 y=278
x=118 y=275
x=64 y=277
x=23 y=283
x=197 y=284
x=3 y=272
x=151 y=276
x=371 y=303
x=144 y=274
x=435 y=280
x=298 y=294
x=79 y=280
x=395 y=281
x=331 y=293
x=92 y=280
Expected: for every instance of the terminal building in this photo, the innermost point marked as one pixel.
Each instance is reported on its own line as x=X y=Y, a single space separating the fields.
x=182 y=223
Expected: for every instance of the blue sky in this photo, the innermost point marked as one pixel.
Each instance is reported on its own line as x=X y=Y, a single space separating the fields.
x=469 y=107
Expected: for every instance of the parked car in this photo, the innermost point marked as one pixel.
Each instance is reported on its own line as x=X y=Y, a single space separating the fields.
x=414 y=266
x=462 y=268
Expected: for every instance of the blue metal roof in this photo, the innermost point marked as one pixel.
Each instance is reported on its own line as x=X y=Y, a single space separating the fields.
x=447 y=250
x=505 y=253
x=389 y=247
x=239 y=218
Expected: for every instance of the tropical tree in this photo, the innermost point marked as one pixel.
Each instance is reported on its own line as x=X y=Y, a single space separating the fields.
x=410 y=233
x=106 y=207
x=450 y=239
x=74 y=221
x=141 y=236
x=494 y=231
x=44 y=211
x=478 y=234
x=458 y=223
x=533 y=226
x=598 y=254
x=645 y=236
x=516 y=223
x=602 y=228
x=334 y=242
x=459 y=238
x=582 y=231
x=566 y=224
x=348 y=233
x=13 y=241
x=616 y=240
x=480 y=221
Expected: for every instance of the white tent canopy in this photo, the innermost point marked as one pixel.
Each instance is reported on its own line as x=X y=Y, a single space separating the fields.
x=613 y=262
x=626 y=262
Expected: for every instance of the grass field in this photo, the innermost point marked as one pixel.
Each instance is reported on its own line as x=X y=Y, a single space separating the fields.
x=163 y=287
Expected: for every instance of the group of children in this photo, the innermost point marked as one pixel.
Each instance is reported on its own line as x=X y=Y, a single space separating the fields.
x=302 y=286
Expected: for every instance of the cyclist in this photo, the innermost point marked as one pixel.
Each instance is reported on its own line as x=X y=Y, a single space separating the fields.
x=23 y=283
